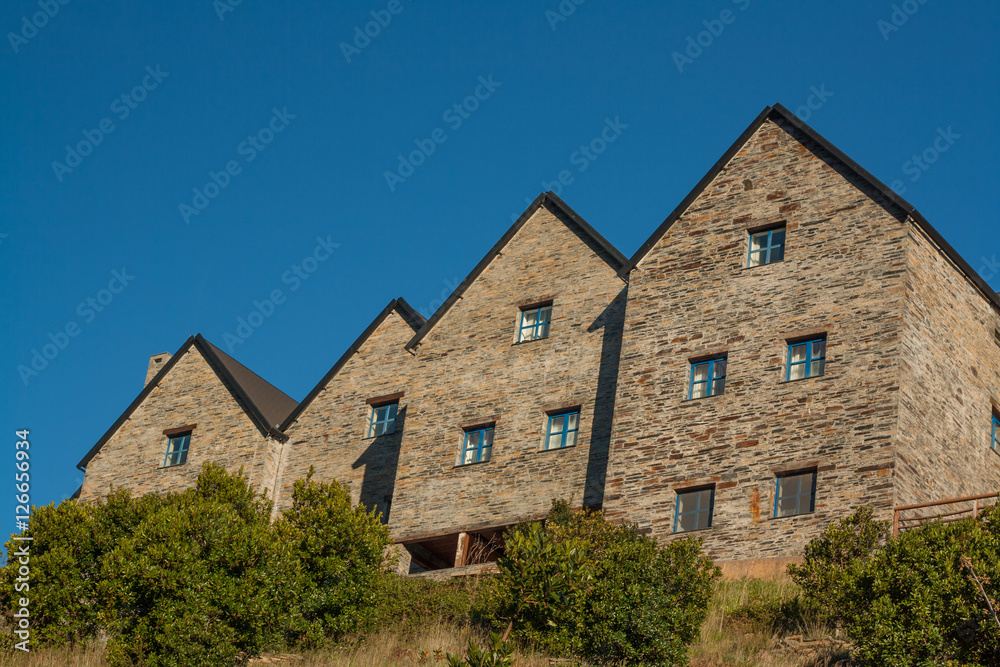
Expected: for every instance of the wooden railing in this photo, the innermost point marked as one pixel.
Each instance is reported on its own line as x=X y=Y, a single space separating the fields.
x=975 y=503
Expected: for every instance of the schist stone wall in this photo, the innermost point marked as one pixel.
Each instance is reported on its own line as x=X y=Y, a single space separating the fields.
x=331 y=435
x=191 y=393
x=692 y=296
x=902 y=413
x=949 y=384
x=470 y=371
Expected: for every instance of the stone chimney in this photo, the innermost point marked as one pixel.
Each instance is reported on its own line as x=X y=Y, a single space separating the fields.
x=156 y=364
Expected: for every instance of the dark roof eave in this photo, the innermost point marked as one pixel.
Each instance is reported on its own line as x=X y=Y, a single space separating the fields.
x=853 y=166
x=136 y=403
x=618 y=260
x=407 y=311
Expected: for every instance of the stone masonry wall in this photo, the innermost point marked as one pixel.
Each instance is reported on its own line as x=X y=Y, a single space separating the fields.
x=191 y=393
x=470 y=371
x=331 y=434
x=950 y=383
x=692 y=296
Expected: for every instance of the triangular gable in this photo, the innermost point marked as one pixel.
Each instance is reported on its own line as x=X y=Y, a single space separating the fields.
x=260 y=400
x=412 y=318
x=780 y=112
x=588 y=234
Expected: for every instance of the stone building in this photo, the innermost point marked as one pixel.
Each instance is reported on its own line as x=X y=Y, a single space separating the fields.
x=793 y=341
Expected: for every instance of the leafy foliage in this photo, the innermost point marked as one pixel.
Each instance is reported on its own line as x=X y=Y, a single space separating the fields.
x=200 y=577
x=916 y=603
x=340 y=552
x=606 y=592
x=499 y=654
x=200 y=581
x=68 y=543
x=834 y=561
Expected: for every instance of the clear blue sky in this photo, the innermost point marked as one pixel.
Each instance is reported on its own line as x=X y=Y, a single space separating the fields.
x=197 y=86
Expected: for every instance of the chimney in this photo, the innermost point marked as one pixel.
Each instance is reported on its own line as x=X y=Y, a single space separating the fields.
x=156 y=364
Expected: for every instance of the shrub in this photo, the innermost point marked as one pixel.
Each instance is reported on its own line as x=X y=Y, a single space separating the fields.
x=916 y=603
x=339 y=551
x=407 y=604
x=601 y=591
x=835 y=559
x=200 y=581
x=69 y=542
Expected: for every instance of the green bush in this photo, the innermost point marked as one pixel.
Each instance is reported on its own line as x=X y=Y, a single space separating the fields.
x=340 y=552
x=916 y=602
x=835 y=559
x=406 y=604
x=69 y=542
x=200 y=581
x=605 y=592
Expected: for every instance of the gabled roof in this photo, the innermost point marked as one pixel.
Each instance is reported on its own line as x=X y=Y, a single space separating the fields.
x=412 y=318
x=779 y=112
x=265 y=404
x=609 y=253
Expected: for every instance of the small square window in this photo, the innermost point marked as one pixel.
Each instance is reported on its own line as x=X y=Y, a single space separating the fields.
x=383 y=421
x=533 y=323
x=708 y=378
x=694 y=509
x=177 y=449
x=806 y=359
x=477 y=446
x=795 y=493
x=767 y=246
x=561 y=429
x=995 y=437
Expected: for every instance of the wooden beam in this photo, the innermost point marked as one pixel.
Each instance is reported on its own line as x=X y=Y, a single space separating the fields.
x=462 y=551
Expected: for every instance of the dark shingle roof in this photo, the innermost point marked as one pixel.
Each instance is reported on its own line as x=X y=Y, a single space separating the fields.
x=264 y=404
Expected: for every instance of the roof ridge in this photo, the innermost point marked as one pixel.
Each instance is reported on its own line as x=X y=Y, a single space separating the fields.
x=618 y=260
x=398 y=304
x=781 y=112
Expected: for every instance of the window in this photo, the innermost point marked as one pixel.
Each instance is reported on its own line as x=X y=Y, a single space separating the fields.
x=562 y=429
x=478 y=445
x=177 y=449
x=795 y=493
x=383 y=419
x=533 y=323
x=694 y=509
x=806 y=359
x=708 y=378
x=767 y=246
x=995 y=438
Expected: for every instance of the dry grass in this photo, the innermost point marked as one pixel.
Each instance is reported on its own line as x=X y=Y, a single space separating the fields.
x=728 y=639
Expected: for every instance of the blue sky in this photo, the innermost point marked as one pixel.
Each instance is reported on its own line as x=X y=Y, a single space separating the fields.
x=202 y=150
